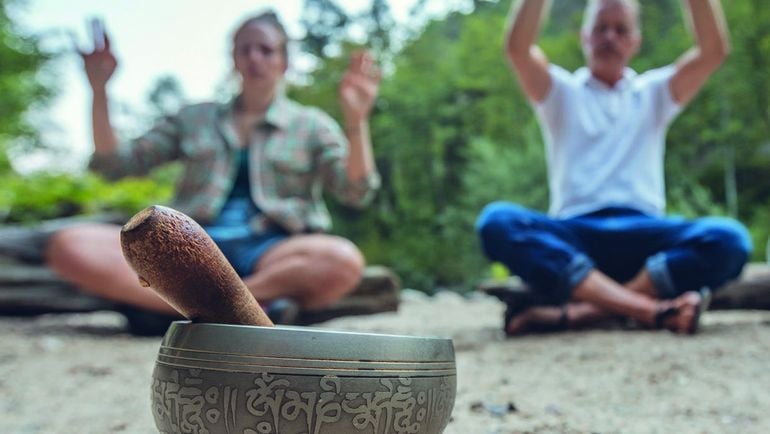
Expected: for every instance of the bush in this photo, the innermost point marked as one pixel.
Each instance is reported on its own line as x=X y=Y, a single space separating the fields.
x=30 y=199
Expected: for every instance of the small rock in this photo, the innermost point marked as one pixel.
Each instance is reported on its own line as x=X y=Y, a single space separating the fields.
x=50 y=344
x=408 y=294
x=93 y=371
x=553 y=409
x=494 y=409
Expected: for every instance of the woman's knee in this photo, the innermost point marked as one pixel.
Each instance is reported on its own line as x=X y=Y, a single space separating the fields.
x=339 y=262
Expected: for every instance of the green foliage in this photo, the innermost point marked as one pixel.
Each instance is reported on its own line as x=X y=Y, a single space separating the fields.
x=21 y=86
x=325 y=25
x=26 y=199
x=452 y=132
x=166 y=96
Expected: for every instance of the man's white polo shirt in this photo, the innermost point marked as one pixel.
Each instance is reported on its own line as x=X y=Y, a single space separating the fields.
x=605 y=146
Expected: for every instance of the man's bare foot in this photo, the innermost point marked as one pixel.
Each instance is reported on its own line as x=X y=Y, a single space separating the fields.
x=575 y=314
x=682 y=314
x=539 y=319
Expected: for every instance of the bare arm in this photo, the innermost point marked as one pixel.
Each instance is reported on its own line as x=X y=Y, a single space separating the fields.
x=707 y=22
x=99 y=66
x=358 y=91
x=105 y=142
x=528 y=60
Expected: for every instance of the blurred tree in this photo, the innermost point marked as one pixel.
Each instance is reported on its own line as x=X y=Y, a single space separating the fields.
x=166 y=96
x=453 y=132
x=440 y=128
x=378 y=25
x=325 y=24
x=21 y=60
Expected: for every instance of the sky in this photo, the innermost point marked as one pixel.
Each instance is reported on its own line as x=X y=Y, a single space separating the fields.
x=188 y=39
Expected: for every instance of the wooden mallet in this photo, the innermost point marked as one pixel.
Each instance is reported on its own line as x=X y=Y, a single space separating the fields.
x=173 y=255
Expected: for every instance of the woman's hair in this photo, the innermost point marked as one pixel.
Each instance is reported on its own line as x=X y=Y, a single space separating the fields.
x=267 y=17
x=593 y=7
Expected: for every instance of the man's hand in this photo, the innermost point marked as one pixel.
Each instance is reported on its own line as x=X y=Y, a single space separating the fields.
x=528 y=61
x=358 y=88
x=707 y=23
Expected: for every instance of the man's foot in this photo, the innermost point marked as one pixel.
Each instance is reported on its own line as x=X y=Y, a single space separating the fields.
x=682 y=314
x=541 y=318
x=538 y=319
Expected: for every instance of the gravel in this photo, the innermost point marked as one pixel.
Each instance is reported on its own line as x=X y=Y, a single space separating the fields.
x=80 y=373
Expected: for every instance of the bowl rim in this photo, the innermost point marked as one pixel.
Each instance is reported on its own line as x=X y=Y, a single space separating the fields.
x=306 y=343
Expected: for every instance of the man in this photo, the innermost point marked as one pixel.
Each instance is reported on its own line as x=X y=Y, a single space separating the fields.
x=606 y=248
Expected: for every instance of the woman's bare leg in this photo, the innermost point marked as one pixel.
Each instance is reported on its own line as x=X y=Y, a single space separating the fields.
x=314 y=270
x=90 y=257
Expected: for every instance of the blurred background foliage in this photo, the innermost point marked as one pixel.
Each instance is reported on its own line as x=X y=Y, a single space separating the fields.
x=451 y=129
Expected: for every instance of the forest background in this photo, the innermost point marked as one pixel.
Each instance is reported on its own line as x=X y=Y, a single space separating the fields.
x=452 y=131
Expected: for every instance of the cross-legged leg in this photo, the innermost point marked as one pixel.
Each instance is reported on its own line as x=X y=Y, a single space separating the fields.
x=314 y=270
x=706 y=252
x=544 y=252
x=549 y=255
x=90 y=257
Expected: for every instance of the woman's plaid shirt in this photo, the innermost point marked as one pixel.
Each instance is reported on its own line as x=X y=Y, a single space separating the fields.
x=295 y=154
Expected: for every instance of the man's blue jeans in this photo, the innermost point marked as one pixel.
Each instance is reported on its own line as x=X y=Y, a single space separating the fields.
x=553 y=256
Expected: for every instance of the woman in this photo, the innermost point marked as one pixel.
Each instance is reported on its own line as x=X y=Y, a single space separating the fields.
x=254 y=169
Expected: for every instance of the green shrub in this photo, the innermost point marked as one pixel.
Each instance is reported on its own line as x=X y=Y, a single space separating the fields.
x=29 y=199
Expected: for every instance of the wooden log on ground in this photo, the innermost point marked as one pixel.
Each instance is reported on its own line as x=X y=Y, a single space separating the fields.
x=27 y=243
x=379 y=291
x=27 y=287
x=33 y=289
x=48 y=298
x=750 y=291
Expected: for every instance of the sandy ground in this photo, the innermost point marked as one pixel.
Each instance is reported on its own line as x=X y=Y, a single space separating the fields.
x=81 y=374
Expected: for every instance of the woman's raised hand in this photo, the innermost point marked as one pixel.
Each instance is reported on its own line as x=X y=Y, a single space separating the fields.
x=100 y=63
x=359 y=86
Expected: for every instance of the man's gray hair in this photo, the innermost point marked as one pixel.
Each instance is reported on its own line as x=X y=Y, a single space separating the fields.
x=593 y=7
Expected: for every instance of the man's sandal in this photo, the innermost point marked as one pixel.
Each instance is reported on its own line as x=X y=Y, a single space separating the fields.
x=665 y=312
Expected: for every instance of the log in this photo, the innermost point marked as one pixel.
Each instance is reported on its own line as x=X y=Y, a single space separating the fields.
x=27 y=287
x=750 y=291
x=32 y=289
x=27 y=243
x=379 y=291
x=48 y=298
x=16 y=274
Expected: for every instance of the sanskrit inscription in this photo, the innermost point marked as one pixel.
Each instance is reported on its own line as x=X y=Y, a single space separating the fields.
x=196 y=401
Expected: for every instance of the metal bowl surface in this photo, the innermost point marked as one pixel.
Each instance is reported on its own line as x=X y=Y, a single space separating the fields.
x=228 y=379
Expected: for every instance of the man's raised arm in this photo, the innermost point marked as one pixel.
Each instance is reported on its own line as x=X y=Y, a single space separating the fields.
x=707 y=23
x=528 y=61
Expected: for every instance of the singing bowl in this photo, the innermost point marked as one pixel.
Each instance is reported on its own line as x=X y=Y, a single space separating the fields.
x=227 y=379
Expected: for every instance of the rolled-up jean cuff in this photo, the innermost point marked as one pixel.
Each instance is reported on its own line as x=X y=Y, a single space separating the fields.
x=661 y=276
x=576 y=272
